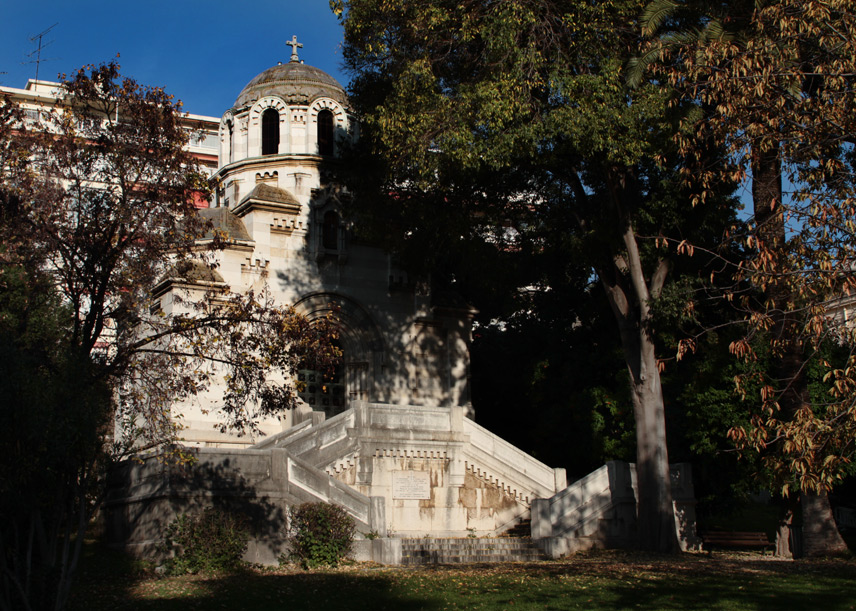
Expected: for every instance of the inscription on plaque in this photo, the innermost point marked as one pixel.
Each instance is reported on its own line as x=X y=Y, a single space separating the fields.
x=411 y=485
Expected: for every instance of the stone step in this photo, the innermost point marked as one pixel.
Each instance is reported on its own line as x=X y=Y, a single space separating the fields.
x=507 y=542
x=469 y=552
x=464 y=545
x=522 y=529
x=486 y=551
x=474 y=559
x=481 y=554
x=457 y=551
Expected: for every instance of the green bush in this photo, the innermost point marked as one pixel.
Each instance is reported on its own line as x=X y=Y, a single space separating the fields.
x=320 y=534
x=211 y=541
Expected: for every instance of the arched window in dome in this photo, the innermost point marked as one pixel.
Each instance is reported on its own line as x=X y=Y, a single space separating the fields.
x=230 y=153
x=270 y=132
x=330 y=231
x=325 y=132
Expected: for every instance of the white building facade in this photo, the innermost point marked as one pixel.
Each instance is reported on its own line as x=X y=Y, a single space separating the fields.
x=285 y=232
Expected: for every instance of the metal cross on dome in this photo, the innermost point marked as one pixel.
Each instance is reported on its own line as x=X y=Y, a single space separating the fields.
x=294 y=47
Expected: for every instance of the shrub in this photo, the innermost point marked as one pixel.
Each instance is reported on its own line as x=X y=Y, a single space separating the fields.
x=320 y=534
x=208 y=542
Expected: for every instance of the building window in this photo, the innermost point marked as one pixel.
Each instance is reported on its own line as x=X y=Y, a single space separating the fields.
x=325 y=132
x=230 y=152
x=270 y=132
x=330 y=231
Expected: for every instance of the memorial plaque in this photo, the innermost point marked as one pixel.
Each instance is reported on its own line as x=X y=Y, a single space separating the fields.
x=411 y=485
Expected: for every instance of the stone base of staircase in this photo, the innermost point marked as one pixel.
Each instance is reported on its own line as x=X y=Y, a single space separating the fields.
x=416 y=552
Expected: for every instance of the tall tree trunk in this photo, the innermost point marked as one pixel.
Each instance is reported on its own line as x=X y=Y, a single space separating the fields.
x=656 y=519
x=767 y=198
x=820 y=532
x=770 y=223
x=818 y=523
x=629 y=294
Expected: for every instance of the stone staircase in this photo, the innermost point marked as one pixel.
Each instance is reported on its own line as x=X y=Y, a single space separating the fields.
x=523 y=529
x=415 y=552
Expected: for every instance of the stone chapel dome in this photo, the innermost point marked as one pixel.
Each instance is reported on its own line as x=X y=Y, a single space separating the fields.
x=294 y=82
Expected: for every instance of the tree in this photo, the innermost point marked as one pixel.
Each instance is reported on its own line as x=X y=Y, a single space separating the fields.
x=776 y=82
x=97 y=208
x=51 y=436
x=532 y=95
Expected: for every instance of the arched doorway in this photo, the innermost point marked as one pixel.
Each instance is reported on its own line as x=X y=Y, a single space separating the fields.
x=362 y=353
x=323 y=390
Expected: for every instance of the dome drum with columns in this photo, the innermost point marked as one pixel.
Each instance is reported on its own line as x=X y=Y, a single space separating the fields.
x=288 y=110
x=285 y=230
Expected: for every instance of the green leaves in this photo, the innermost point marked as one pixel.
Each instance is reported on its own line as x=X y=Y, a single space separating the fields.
x=210 y=541
x=320 y=534
x=517 y=116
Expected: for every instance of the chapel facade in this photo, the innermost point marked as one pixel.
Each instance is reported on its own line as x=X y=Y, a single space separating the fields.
x=284 y=230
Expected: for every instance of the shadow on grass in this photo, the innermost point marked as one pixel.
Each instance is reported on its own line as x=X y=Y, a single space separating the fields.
x=634 y=581
x=761 y=592
x=248 y=591
x=601 y=581
x=110 y=580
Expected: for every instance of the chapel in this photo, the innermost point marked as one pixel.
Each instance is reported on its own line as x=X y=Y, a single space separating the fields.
x=284 y=229
x=391 y=439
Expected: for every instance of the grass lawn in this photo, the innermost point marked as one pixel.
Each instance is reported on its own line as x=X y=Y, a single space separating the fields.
x=594 y=580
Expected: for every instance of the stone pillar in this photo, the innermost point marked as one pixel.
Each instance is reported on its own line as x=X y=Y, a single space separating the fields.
x=377 y=516
x=254 y=129
x=560 y=479
x=542 y=524
x=240 y=150
x=279 y=467
x=284 y=131
x=456 y=418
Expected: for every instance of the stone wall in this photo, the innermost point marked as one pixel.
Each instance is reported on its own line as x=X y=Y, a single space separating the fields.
x=146 y=496
x=400 y=471
x=599 y=510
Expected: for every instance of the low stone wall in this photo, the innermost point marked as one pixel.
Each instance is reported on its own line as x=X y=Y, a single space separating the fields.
x=513 y=469
x=146 y=496
x=599 y=510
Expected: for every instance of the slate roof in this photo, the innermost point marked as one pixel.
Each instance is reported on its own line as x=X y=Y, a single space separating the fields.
x=227 y=223
x=266 y=193
x=194 y=271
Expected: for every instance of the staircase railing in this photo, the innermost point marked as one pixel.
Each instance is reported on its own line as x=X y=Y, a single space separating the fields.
x=493 y=459
x=319 y=443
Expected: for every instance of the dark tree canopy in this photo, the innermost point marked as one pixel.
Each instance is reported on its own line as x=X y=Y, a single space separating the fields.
x=512 y=122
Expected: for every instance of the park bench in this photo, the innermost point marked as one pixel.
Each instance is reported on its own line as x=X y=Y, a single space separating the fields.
x=732 y=539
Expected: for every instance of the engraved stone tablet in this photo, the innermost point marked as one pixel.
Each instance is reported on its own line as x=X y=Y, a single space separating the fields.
x=411 y=485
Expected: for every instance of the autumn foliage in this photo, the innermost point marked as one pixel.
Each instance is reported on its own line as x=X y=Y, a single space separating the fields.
x=774 y=83
x=95 y=215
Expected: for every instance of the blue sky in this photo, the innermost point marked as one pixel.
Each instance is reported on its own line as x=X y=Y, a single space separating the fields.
x=202 y=52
